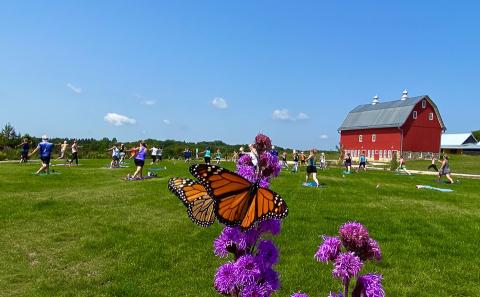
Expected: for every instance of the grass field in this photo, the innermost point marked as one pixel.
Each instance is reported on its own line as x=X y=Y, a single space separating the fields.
x=85 y=232
x=458 y=163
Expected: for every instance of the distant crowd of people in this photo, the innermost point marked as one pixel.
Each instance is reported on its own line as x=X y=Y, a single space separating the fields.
x=139 y=154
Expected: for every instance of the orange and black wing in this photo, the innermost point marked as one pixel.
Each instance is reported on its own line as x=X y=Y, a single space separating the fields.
x=200 y=206
x=237 y=201
x=248 y=208
x=219 y=181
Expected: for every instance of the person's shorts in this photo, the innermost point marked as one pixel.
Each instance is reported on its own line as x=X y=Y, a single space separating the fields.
x=159 y=157
x=348 y=164
x=154 y=158
x=444 y=172
x=217 y=158
x=139 y=162
x=122 y=155
x=115 y=158
x=311 y=169
x=362 y=164
x=25 y=154
x=45 y=160
x=207 y=159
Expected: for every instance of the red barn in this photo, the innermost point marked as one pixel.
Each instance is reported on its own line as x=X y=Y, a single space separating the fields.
x=409 y=126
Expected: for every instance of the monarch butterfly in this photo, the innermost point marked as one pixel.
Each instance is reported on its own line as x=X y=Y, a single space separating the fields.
x=200 y=206
x=238 y=202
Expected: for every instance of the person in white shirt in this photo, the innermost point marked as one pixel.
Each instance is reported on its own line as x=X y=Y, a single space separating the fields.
x=153 y=154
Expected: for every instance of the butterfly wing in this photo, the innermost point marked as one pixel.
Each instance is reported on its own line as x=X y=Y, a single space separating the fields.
x=200 y=206
x=238 y=202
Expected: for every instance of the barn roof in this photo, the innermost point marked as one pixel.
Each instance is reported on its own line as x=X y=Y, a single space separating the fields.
x=384 y=115
x=457 y=139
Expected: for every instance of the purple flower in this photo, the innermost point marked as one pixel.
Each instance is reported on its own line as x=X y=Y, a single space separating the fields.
x=346 y=266
x=272 y=226
x=267 y=253
x=262 y=143
x=271 y=278
x=354 y=236
x=247 y=270
x=299 y=294
x=245 y=160
x=339 y=294
x=248 y=172
x=251 y=237
x=269 y=165
x=374 y=251
x=256 y=290
x=230 y=240
x=329 y=249
x=264 y=182
x=225 y=278
x=369 y=285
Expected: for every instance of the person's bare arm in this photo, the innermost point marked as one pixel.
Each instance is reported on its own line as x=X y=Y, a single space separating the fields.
x=34 y=151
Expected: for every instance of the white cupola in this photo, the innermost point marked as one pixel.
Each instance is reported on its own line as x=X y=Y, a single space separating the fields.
x=405 y=94
x=375 y=100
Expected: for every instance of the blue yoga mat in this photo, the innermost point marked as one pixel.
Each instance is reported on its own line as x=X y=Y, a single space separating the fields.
x=313 y=185
x=435 y=189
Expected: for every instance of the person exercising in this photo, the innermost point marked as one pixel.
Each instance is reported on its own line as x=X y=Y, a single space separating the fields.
x=44 y=150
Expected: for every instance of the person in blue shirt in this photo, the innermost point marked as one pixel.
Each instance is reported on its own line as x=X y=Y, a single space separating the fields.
x=362 y=162
x=44 y=149
x=25 y=148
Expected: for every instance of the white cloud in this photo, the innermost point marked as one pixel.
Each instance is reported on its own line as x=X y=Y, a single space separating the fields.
x=219 y=102
x=282 y=115
x=149 y=102
x=324 y=136
x=74 y=88
x=302 y=116
x=285 y=115
x=118 y=119
x=167 y=122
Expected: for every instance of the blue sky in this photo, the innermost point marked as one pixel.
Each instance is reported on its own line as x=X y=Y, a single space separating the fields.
x=291 y=70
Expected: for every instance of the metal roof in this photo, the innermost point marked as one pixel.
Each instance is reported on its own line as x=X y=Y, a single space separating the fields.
x=457 y=139
x=384 y=115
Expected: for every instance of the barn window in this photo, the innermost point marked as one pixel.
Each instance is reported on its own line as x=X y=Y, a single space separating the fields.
x=415 y=114
x=389 y=154
x=424 y=103
x=374 y=137
x=381 y=154
x=360 y=138
x=430 y=116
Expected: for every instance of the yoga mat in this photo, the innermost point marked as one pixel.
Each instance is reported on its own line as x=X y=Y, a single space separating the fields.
x=313 y=185
x=433 y=188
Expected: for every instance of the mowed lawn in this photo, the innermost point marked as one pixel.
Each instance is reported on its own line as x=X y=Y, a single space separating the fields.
x=86 y=232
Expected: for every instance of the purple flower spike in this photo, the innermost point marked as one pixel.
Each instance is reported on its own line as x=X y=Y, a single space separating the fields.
x=247 y=270
x=272 y=226
x=245 y=160
x=262 y=143
x=369 y=285
x=346 y=266
x=225 y=278
x=269 y=165
x=329 y=249
x=299 y=294
x=374 y=251
x=270 y=277
x=256 y=290
x=354 y=236
x=230 y=240
x=247 y=172
x=267 y=253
